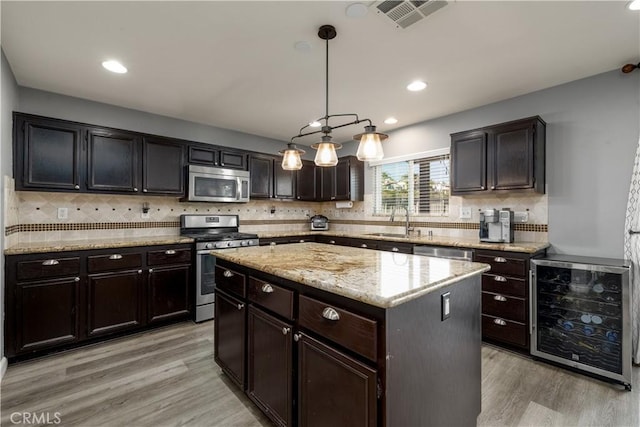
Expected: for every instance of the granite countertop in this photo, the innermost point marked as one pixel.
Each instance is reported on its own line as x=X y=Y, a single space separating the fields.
x=460 y=242
x=80 y=245
x=381 y=279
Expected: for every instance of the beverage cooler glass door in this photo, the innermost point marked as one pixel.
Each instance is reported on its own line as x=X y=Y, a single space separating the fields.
x=581 y=316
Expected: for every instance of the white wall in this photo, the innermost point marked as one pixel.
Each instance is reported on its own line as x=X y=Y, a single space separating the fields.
x=593 y=126
x=9 y=97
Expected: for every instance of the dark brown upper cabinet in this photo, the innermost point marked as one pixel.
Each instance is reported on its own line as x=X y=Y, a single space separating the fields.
x=113 y=161
x=202 y=154
x=349 y=179
x=505 y=157
x=232 y=159
x=284 y=182
x=46 y=154
x=162 y=166
x=306 y=181
x=261 y=173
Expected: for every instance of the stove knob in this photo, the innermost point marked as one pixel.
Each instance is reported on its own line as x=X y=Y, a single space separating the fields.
x=251 y=243
x=229 y=244
x=244 y=243
x=208 y=246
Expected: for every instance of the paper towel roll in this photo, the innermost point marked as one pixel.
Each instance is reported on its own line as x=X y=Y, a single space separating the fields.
x=342 y=205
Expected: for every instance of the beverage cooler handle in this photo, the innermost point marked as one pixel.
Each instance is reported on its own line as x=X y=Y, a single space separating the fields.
x=532 y=300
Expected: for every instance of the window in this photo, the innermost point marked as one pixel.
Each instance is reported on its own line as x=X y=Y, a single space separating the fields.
x=420 y=184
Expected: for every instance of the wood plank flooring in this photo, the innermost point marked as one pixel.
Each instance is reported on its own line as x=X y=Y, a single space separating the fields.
x=167 y=377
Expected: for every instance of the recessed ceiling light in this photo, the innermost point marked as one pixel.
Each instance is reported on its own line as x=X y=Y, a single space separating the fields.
x=416 y=86
x=634 y=5
x=391 y=121
x=114 y=67
x=302 y=46
x=315 y=124
x=356 y=10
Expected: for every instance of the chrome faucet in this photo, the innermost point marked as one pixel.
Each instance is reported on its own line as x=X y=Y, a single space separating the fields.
x=406 y=226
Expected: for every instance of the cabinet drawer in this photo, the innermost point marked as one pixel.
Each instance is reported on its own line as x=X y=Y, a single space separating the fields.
x=169 y=256
x=504 y=306
x=505 y=330
x=272 y=297
x=350 y=330
x=231 y=281
x=402 y=248
x=114 y=261
x=48 y=267
x=501 y=264
x=504 y=285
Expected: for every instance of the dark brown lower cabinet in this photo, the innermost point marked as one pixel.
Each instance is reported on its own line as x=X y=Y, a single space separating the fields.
x=269 y=365
x=229 y=339
x=47 y=313
x=168 y=293
x=114 y=302
x=334 y=389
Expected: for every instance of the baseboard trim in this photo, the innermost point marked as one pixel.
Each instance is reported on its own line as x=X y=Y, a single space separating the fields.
x=4 y=363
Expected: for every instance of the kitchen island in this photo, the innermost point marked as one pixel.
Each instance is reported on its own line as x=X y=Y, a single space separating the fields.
x=320 y=334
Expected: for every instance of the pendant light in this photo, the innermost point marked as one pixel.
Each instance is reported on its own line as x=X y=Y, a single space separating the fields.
x=370 y=147
x=291 y=158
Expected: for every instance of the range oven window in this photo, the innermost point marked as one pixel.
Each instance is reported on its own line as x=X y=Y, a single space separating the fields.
x=215 y=187
x=207 y=274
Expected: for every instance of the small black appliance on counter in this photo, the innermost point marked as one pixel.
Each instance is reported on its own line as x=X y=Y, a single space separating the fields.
x=319 y=223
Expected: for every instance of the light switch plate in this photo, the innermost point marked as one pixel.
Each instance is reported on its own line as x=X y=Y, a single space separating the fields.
x=465 y=212
x=63 y=213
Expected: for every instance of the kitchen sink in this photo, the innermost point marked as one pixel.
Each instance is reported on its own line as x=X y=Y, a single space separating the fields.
x=387 y=235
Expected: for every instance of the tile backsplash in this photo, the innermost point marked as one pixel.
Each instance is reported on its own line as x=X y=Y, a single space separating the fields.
x=33 y=216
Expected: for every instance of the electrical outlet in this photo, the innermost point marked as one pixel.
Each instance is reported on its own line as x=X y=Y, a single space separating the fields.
x=63 y=213
x=465 y=212
x=144 y=215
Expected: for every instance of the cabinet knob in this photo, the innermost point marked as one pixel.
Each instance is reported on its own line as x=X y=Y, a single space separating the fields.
x=139 y=271
x=493 y=187
x=227 y=273
x=499 y=259
x=170 y=252
x=394 y=249
x=499 y=298
x=144 y=190
x=77 y=187
x=298 y=197
x=500 y=322
x=267 y=288
x=482 y=187
x=285 y=330
x=500 y=278
x=135 y=188
x=301 y=240
x=330 y=314
x=364 y=245
x=115 y=256
x=296 y=337
x=150 y=270
x=51 y=262
x=333 y=242
x=77 y=279
x=240 y=306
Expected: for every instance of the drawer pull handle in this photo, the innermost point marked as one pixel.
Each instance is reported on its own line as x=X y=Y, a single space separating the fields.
x=500 y=322
x=77 y=279
x=272 y=244
x=330 y=314
x=285 y=330
x=77 y=187
x=364 y=245
x=240 y=306
x=301 y=241
x=170 y=252
x=267 y=288
x=333 y=242
x=227 y=273
x=139 y=271
x=115 y=256
x=499 y=259
x=51 y=262
x=499 y=298
x=150 y=270
x=394 y=249
x=499 y=278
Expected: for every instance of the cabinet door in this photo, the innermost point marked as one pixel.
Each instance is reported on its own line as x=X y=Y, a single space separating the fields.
x=50 y=153
x=327 y=183
x=162 y=166
x=168 y=293
x=333 y=388
x=512 y=157
x=203 y=155
x=113 y=161
x=233 y=159
x=47 y=314
x=306 y=181
x=269 y=365
x=284 y=182
x=343 y=179
x=261 y=172
x=229 y=339
x=114 y=302
x=468 y=162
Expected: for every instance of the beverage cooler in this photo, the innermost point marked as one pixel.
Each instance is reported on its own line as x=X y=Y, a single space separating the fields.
x=580 y=309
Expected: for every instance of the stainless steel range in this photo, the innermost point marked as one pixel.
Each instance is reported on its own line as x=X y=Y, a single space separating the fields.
x=211 y=232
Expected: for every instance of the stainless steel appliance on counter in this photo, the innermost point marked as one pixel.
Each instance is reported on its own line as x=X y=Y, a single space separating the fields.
x=496 y=225
x=319 y=223
x=211 y=232
x=580 y=309
x=209 y=184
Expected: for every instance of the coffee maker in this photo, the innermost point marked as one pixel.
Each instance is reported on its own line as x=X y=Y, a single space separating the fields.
x=496 y=225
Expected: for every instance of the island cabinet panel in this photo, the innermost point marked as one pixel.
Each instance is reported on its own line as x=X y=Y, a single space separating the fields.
x=230 y=281
x=115 y=301
x=168 y=293
x=230 y=334
x=333 y=388
x=272 y=297
x=270 y=365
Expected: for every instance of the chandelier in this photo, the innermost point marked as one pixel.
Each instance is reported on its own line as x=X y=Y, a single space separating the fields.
x=370 y=147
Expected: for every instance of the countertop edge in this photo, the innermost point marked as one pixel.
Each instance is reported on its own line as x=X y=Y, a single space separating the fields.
x=72 y=246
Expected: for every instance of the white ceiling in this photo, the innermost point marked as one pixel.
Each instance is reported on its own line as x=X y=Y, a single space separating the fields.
x=233 y=64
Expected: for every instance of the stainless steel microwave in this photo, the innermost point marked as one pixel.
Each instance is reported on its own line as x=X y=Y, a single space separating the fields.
x=207 y=184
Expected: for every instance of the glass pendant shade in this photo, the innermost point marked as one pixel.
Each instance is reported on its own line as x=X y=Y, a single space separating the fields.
x=370 y=148
x=326 y=154
x=291 y=158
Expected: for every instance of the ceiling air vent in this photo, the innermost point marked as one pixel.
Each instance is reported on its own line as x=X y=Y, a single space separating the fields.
x=406 y=13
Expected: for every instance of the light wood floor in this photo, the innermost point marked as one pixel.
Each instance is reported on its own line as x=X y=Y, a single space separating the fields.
x=167 y=377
